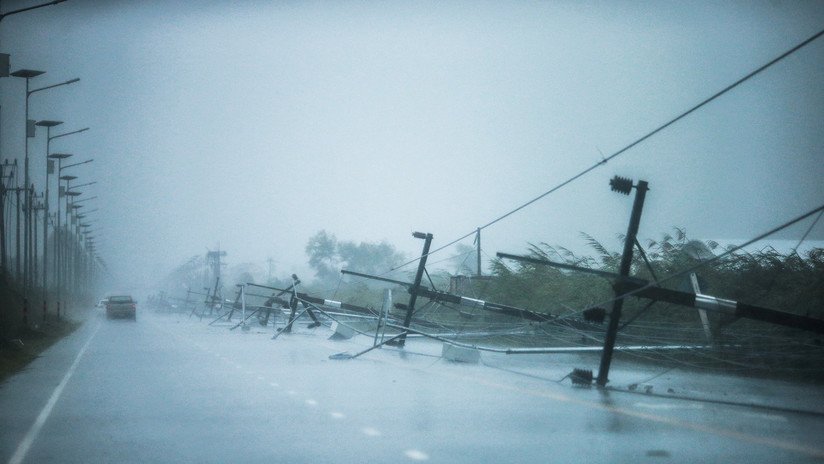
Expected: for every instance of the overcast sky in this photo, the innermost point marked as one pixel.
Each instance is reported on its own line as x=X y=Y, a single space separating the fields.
x=252 y=125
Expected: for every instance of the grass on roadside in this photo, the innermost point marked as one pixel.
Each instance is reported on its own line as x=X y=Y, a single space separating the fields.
x=16 y=353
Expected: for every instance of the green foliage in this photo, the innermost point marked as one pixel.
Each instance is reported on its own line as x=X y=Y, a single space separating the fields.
x=327 y=256
x=322 y=250
x=766 y=278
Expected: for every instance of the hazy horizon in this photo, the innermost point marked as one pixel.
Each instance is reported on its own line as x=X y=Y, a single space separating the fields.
x=251 y=126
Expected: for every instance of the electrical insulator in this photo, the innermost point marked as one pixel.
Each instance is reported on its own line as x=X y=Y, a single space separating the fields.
x=621 y=185
x=581 y=377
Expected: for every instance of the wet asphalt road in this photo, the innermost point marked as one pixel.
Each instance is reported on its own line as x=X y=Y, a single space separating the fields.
x=173 y=389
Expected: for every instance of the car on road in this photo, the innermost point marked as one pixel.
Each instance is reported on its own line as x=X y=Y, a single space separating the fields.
x=121 y=306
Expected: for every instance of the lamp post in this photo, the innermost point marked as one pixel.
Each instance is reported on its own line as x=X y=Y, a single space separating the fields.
x=21 y=10
x=61 y=252
x=83 y=266
x=3 y=262
x=4 y=72
x=83 y=185
x=6 y=175
x=36 y=206
x=28 y=74
x=87 y=199
x=50 y=169
x=75 y=255
x=59 y=157
x=48 y=124
x=63 y=237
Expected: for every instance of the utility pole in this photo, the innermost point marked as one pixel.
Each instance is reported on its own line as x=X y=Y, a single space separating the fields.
x=413 y=291
x=478 y=250
x=271 y=265
x=4 y=262
x=621 y=185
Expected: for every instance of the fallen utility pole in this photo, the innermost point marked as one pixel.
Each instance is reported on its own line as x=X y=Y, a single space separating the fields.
x=644 y=289
x=321 y=301
x=437 y=295
x=292 y=304
x=730 y=307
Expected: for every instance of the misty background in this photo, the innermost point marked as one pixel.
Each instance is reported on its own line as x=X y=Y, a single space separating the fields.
x=250 y=126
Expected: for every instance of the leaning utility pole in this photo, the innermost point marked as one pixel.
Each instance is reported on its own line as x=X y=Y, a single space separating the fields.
x=622 y=185
x=410 y=308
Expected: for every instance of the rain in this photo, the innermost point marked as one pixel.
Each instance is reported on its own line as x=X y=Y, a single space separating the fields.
x=422 y=231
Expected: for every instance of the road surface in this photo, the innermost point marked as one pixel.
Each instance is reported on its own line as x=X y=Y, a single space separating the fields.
x=172 y=389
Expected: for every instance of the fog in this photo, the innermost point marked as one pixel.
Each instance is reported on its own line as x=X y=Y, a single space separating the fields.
x=250 y=126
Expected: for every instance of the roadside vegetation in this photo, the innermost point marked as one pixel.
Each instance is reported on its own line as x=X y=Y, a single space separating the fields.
x=24 y=335
x=790 y=282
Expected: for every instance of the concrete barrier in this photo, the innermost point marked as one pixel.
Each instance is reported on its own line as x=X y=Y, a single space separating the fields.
x=460 y=354
x=349 y=329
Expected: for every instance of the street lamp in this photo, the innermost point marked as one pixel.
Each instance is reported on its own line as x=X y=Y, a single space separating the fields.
x=4 y=72
x=68 y=179
x=59 y=157
x=48 y=124
x=21 y=10
x=87 y=199
x=61 y=253
x=28 y=74
x=73 y=274
x=83 y=185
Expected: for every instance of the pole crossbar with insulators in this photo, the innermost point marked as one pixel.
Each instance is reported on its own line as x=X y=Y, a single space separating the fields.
x=640 y=288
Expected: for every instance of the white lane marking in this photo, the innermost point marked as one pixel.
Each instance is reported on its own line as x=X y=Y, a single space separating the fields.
x=416 y=455
x=260 y=377
x=34 y=431
x=311 y=402
x=337 y=415
x=669 y=406
x=291 y=392
x=274 y=384
x=371 y=432
x=772 y=417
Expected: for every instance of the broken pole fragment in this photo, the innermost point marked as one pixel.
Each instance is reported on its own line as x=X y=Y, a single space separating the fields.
x=436 y=295
x=388 y=341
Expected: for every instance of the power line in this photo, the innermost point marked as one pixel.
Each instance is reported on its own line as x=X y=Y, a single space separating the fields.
x=627 y=147
x=809 y=229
